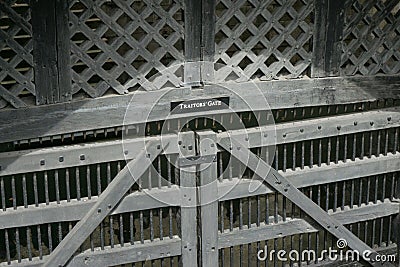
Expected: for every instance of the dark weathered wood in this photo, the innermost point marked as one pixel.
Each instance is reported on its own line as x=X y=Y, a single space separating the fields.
x=208 y=40
x=109 y=112
x=328 y=33
x=51 y=51
x=63 y=51
x=193 y=20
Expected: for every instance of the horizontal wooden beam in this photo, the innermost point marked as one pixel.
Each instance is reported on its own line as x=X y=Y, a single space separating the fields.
x=316 y=128
x=239 y=188
x=74 y=210
x=149 y=250
x=109 y=112
x=300 y=226
x=31 y=160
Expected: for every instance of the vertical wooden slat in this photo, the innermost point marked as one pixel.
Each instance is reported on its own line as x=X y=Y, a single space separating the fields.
x=329 y=19
x=51 y=51
x=187 y=177
x=208 y=199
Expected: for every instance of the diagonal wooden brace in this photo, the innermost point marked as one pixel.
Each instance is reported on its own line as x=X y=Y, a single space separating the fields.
x=272 y=177
x=106 y=202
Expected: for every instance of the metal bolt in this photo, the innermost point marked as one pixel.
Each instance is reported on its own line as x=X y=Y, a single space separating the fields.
x=371 y=123
x=284 y=135
x=301 y=130
x=355 y=123
x=82 y=157
x=339 y=127
x=42 y=162
x=61 y=159
x=389 y=118
x=319 y=127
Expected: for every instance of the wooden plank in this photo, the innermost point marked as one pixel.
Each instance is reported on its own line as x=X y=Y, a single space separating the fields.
x=156 y=249
x=188 y=198
x=106 y=202
x=328 y=33
x=208 y=199
x=301 y=226
x=110 y=111
x=69 y=156
x=75 y=210
x=150 y=250
x=316 y=128
x=239 y=188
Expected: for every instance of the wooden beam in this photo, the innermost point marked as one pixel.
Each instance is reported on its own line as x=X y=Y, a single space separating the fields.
x=328 y=34
x=301 y=226
x=51 y=51
x=110 y=111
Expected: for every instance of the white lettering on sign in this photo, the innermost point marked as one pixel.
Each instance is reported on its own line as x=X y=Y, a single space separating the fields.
x=200 y=105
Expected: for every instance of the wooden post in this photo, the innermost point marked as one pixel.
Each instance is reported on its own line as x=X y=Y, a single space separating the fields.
x=208 y=40
x=51 y=51
x=187 y=182
x=208 y=199
x=199 y=41
x=328 y=29
x=193 y=13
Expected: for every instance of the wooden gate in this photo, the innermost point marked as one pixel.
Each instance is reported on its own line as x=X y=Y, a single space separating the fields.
x=82 y=183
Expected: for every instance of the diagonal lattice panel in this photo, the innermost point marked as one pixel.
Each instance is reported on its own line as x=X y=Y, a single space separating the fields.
x=371 y=37
x=123 y=45
x=16 y=61
x=263 y=39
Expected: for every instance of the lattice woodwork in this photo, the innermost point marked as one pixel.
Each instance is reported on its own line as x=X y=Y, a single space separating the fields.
x=263 y=39
x=16 y=72
x=118 y=45
x=371 y=42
